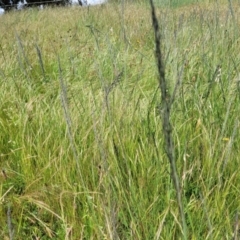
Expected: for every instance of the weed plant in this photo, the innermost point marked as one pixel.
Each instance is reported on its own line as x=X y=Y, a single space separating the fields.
x=82 y=152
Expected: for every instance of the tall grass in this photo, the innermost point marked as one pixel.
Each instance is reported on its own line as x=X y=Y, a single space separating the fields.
x=81 y=142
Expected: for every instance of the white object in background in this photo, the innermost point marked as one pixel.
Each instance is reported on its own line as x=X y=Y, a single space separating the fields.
x=21 y=5
x=75 y=2
x=95 y=2
x=2 y=11
x=88 y=2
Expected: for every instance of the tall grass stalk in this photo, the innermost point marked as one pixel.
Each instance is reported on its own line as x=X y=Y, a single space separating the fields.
x=9 y=221
x=166 y=102
x=68 y=121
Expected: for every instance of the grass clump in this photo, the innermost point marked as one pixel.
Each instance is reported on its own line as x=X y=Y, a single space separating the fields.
x=81 y=142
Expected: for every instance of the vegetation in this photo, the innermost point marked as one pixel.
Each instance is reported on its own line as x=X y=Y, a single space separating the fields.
x=81 y=141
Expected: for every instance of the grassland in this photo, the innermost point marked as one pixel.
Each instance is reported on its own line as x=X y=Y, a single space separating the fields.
x=82 y=153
